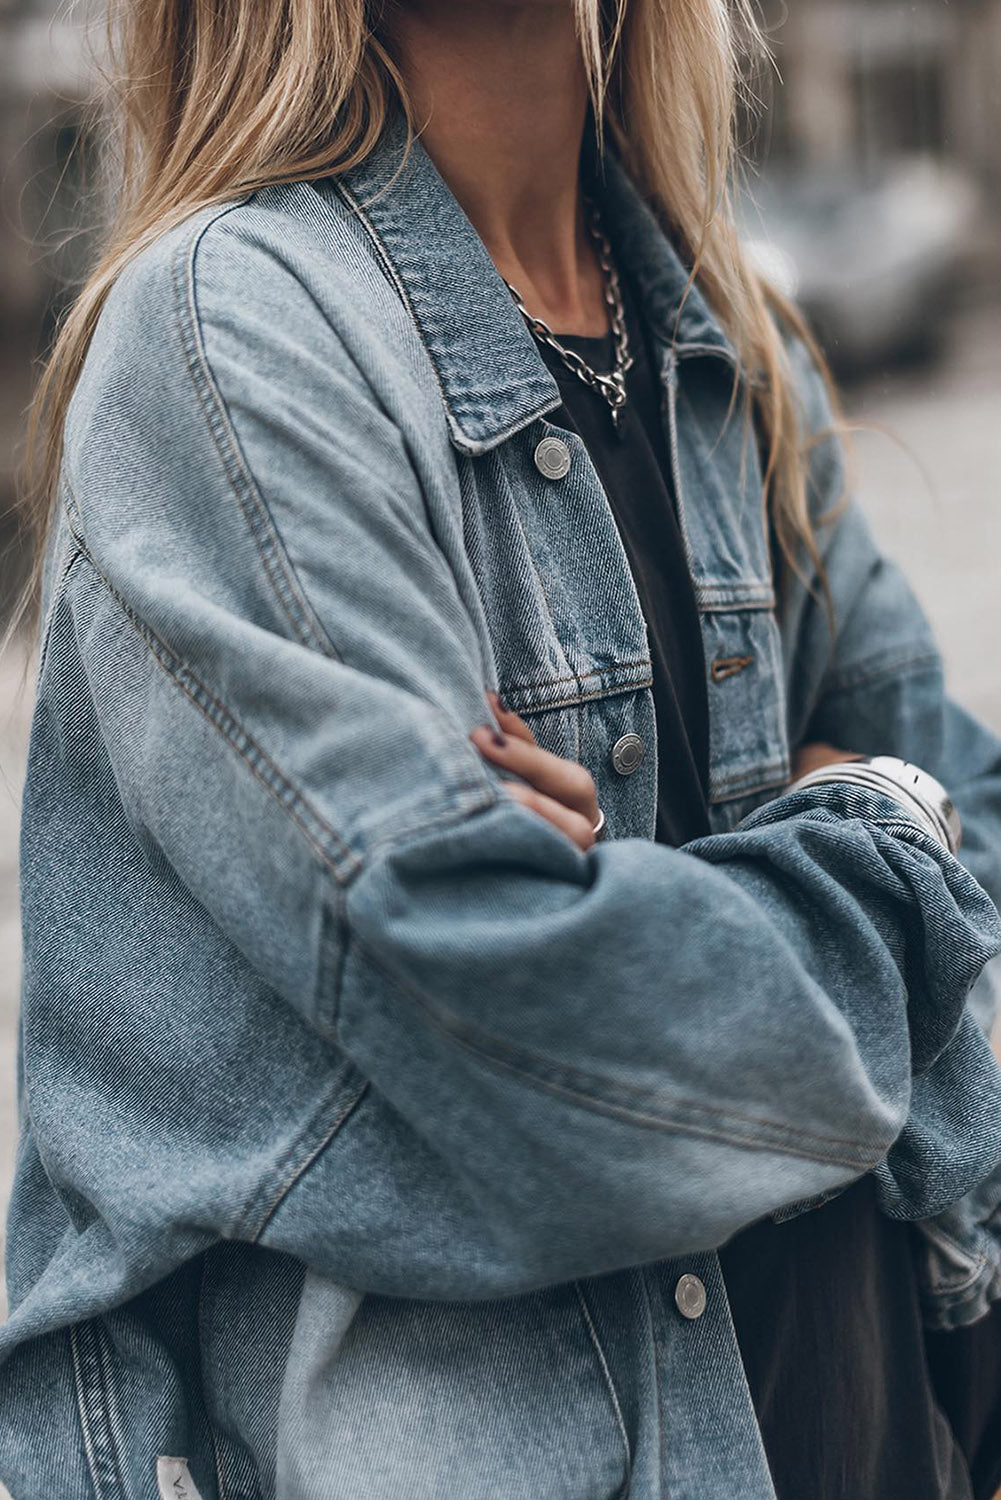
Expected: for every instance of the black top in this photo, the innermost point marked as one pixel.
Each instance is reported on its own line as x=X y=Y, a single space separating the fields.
x=826 y=1305
x=634 y=468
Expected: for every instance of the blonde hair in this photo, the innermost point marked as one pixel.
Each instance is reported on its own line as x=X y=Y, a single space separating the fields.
x=218 y=97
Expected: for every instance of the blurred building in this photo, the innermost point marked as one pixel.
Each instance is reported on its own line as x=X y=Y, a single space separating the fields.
x=866 y=80
x=864 y=83
x=45 y=81
x=876 y=202
x=45 y=241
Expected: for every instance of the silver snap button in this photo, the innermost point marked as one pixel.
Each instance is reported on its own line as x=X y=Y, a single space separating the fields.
x=552 y=458
x=627 y=754
x=690 y=1297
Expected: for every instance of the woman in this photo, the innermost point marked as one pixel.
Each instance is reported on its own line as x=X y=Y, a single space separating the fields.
x=390 y=1080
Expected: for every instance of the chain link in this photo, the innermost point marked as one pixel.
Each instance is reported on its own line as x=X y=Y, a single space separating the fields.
x=610 y=384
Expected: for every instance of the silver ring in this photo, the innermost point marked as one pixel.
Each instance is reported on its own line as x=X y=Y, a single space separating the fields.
x=599 y=827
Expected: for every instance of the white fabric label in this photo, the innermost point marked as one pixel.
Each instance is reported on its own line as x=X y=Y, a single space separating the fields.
x=174 y=1480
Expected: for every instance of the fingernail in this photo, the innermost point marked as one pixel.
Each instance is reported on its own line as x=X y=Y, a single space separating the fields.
x=497 y=735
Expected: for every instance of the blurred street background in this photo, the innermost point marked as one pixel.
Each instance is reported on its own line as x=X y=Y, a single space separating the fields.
x=875 y=201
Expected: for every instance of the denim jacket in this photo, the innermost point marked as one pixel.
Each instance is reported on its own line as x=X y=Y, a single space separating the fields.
x=376 y=1141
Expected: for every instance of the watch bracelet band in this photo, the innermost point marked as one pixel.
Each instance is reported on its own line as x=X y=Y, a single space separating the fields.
x=919 y=796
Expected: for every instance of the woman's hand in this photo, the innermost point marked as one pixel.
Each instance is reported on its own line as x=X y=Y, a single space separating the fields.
x=561 y=790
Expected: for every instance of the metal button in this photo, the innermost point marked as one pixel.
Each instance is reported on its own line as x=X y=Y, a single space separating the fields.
x=627 y=754
x=552 y=458
x=690 y=1297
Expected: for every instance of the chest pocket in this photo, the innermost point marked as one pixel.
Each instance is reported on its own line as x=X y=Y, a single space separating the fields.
x=748 y=752
x=720 y=499
x=566 y=628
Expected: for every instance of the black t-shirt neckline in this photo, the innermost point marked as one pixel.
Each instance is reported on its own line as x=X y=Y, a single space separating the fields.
x=634 y=467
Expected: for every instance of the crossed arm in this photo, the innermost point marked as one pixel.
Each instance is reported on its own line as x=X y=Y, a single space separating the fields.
x=563 y=791
x=563 y=1062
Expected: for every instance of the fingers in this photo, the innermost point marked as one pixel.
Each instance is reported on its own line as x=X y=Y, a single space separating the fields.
x=564 y=781
x=559 y=790
x=509 y=721
x=573 y=824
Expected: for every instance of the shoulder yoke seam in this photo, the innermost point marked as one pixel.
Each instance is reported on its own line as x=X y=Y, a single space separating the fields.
x=286 y=586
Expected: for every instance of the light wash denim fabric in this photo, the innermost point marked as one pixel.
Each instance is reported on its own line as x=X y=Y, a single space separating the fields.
x=368 y=1126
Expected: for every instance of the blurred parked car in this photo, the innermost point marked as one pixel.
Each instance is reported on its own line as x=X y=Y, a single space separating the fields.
x=873 y=262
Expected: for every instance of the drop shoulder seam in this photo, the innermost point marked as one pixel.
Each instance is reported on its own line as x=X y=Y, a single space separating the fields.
x=337 y=856
x=279 y=569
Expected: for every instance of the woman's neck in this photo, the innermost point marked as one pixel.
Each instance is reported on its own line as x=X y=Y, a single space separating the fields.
x=500 y=92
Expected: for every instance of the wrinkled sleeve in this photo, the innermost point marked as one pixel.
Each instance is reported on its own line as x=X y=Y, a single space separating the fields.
x=871 y=679
x=571 y=1062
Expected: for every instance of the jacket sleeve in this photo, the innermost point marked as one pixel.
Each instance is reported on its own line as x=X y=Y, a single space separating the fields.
x=571 y=1062
x=872 y=680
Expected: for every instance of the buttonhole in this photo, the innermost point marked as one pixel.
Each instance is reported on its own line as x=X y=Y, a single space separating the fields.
x=728 y=666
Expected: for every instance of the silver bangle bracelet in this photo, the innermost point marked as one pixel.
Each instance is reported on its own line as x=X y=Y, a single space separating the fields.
x=599 y=827
x=919 y=796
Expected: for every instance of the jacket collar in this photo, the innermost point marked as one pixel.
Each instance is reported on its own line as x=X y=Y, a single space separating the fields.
x=493 y=379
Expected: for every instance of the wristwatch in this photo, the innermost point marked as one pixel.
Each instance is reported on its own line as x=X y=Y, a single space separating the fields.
x=916 y=792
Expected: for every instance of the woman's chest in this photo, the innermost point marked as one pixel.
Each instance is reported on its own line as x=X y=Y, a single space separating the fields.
x=564 y=623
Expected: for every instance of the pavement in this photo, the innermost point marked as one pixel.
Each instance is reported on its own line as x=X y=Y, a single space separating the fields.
x=929 y=474
x=929 y=469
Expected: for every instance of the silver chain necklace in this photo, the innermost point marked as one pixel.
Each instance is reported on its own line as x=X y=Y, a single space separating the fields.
x=612 y=384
